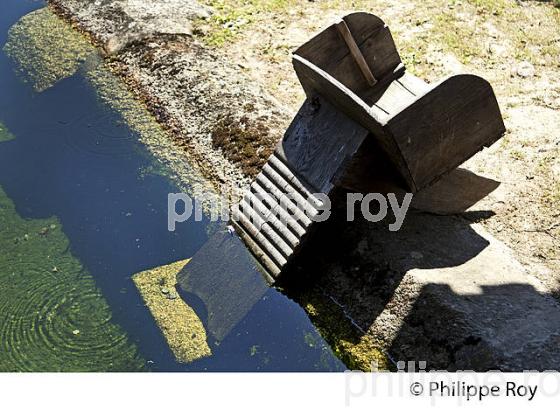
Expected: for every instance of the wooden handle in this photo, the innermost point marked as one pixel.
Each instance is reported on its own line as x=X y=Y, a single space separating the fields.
x=356 y=53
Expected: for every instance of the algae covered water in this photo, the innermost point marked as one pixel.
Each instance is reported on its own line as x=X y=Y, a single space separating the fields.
x=84 y=178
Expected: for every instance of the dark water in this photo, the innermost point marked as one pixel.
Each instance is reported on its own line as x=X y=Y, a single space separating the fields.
x=74 y=158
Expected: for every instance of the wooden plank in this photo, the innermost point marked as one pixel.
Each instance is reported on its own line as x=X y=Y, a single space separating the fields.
x=282 y=201
x=319 y=134
x=395 y=98
x=302 y=202
x=263 y=242
x=356 y=53
x=297 y=182
x=381 y=53
x=227 y=279
x=252 y=201
x=414 y=84
x=295 y=226
x=330 y=53
x=262 y=225
x=270 y=267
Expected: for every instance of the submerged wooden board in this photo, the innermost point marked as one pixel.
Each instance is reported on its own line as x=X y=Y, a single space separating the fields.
x=182 y=328
x=226 y=279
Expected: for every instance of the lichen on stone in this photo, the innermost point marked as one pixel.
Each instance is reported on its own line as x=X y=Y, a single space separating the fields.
x=180 y=325
x=46 y=48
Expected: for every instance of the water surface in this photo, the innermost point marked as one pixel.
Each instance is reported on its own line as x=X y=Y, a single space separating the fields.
x=74 y=163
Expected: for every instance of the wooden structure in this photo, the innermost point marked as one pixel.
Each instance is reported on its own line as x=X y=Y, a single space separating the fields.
x=362 y=110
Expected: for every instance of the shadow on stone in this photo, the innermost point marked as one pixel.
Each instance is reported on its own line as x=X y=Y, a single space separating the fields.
x=361 y=264
x=510 y=327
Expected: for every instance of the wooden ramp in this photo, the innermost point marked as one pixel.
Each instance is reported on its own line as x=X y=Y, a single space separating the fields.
x=281 y=209
x=273 y=217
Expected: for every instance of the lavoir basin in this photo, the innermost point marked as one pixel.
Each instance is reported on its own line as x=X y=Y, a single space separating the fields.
x=85 y=173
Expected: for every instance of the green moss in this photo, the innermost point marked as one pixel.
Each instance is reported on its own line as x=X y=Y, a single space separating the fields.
x=241 y=140
x=358 y=351
x=169 y=154
x=179 y=323
x=46 y=48
x=5 y=135
x=52 y=316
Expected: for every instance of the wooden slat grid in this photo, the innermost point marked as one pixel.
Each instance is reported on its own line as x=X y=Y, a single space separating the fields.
x=274 y=215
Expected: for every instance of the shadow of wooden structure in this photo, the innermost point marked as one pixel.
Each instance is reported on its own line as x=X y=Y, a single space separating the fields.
x=362 y=109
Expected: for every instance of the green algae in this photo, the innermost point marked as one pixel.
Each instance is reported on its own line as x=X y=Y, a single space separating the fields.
x=182 y=328
x=357 y=350
x=52 y=316
x=46 y=49
x=5 y=135
x=171 y=157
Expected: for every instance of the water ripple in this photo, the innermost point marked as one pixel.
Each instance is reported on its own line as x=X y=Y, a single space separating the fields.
x=52 y=316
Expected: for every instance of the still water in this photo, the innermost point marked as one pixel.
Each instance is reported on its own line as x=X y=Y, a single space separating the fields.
x=83 y=207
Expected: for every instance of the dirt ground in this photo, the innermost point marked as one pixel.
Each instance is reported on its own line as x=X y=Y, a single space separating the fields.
x=515 y=45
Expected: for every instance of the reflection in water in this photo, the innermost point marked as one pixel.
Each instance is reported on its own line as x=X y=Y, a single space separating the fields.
x=225 y=277
x=112 y=92
x=52 y=316
x=45 y=50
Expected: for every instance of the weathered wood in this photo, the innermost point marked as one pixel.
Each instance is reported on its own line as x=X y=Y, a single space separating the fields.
x=319 y=134
x=329 y=52
x=395 y=98
x=348 y=103
x=299 y=184
x=413 y=84
x=303 y=203
x=425 y=130
x=447 y=125
x=297 y=227
x=251 y=201
x=270 y=248
x=266 y=226
x=227 y=279
x=283 y=201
